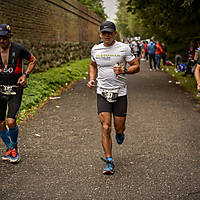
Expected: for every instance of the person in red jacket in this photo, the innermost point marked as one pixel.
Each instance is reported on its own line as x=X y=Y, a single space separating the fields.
x=146 y=50
x=164 y=54
x=158 y=52
x=190 y=61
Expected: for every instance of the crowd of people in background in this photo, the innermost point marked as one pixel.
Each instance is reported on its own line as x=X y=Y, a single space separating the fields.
x=193 y=56
x=156 y=52
x=192 y=66
x=151 y=51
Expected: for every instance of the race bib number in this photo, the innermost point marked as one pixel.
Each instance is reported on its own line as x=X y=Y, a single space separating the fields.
x=8 y=90
x=110 y=94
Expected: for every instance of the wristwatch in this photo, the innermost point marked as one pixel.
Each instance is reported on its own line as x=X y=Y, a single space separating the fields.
x=125 y=70
x=27 y=75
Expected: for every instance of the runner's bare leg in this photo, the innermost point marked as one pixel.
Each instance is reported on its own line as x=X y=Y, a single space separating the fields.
x=106 y=123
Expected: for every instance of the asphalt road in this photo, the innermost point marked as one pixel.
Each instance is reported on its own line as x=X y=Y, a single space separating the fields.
x=61 y=148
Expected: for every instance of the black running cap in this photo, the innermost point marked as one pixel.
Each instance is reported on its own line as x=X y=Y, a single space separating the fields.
x=107 y=26
x=4 y=29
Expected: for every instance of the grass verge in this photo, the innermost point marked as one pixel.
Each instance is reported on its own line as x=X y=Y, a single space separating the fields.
x=45 y=84
x=188 y=82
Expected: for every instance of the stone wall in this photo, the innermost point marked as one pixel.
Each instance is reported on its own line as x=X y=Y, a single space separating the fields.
x=56 y=31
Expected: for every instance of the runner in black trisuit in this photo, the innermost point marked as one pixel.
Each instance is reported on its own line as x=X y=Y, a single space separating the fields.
x=12 y=82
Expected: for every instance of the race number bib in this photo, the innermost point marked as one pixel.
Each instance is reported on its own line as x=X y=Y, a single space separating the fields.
x=110 y=94
x=8 y=89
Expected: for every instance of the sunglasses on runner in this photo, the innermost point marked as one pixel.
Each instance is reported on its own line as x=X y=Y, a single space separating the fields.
x=106 y=32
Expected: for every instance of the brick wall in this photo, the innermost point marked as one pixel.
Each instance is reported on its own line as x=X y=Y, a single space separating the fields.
x=56 y=31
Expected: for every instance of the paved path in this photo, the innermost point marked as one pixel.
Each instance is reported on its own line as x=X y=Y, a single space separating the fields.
x=61 y=148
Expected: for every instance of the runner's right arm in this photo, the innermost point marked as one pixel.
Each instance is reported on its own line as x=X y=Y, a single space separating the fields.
x=92 y=74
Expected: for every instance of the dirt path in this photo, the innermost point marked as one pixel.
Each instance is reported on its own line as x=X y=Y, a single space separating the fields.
x=61 y=147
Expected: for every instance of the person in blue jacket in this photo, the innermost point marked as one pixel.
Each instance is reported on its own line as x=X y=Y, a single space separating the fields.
x=151 y=51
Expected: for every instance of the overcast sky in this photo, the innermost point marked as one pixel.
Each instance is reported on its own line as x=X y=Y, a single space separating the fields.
x=110 y=8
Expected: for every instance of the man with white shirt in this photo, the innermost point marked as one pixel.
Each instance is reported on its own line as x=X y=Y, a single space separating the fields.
x=108 y=67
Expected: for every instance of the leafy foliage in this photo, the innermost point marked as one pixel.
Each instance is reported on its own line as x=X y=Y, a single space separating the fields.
x=96 y=6
x=122 y=20
x=175 y=22
x=44 y=84
x=187 y=82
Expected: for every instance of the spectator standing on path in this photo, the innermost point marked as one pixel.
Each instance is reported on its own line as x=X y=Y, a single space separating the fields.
x=197 y=53
x=151 y=51
x=191 y=50
x=143 y=50
x=190 y=62
x=164 y=53
x=146 y=50
x=196 y=57
x=135 y=47
x=12 y=81
x=130 y=43
x=108 y=63
x=158 y=52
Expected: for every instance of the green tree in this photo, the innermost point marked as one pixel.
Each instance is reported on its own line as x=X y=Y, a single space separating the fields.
x=122 y=20
x=173 y=21
x=96 y=6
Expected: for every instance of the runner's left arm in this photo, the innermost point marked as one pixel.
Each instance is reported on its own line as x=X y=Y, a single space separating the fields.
x=129 y=58
x=132 y=69
x=31 y=65
x=32 y=62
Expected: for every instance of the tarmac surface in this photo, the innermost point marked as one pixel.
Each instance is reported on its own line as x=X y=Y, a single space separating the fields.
x=60 y=147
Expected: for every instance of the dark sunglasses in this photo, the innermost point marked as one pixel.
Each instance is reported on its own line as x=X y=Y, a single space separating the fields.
x=106 y=32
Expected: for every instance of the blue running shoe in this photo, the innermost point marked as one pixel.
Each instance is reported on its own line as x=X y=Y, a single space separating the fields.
x=7 y=155
x=109 y=169
x=120 y=138
x=14 y=158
